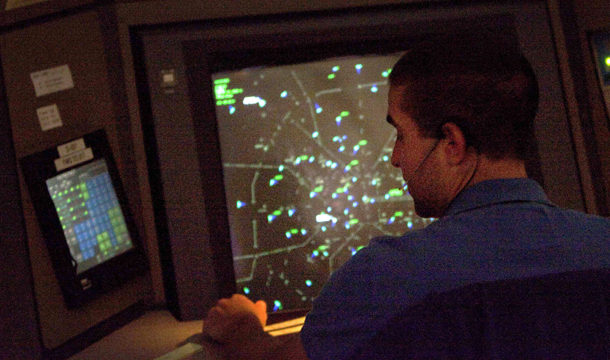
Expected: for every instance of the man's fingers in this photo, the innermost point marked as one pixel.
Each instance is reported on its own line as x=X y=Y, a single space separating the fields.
x=234 y=302
x=228 y=308
x=261 y=305
x=216 y=312
x=261 y=311
x=239 y=296
x=223 y=303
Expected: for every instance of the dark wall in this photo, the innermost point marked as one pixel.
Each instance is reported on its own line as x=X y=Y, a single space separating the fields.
x=77 y=41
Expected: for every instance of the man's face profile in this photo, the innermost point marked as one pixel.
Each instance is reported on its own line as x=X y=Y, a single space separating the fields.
x=415 y=155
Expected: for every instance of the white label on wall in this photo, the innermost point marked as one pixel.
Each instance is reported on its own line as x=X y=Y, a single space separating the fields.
x=14 y=4
x=71 y=147
x=49 y=117
x=52 y=80
x=74 y=159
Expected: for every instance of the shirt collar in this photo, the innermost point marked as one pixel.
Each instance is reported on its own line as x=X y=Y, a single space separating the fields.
x=498 y=191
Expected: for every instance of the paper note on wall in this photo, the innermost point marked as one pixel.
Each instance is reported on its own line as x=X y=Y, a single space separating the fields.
x=14 y=4
x=71 y=147
x=49 y=117
x=52 y=80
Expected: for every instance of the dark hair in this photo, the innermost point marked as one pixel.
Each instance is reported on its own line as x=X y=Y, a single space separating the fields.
x=486 y=88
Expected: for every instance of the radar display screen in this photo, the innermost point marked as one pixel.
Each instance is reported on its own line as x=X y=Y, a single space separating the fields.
x=306 y=159
x=90 y=214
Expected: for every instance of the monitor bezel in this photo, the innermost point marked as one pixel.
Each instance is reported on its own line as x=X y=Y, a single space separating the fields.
x=205 y=57
x=165 y=114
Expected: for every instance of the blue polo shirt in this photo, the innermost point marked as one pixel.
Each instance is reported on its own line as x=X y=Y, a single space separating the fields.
x=497 y=229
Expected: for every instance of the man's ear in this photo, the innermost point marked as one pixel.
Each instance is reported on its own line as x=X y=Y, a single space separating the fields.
x=455 y=143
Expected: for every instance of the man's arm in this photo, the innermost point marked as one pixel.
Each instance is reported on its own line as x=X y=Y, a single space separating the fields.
x=237 y=324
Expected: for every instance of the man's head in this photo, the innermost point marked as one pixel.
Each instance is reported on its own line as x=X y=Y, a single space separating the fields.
x=455 y=106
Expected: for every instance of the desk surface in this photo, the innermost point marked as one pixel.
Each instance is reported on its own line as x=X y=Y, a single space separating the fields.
x=158 y=333
x=154 y=334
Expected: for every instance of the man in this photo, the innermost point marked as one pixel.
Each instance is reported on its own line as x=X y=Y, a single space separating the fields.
x=464 y=116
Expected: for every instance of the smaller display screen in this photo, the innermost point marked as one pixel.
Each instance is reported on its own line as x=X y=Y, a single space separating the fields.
x=90 y=214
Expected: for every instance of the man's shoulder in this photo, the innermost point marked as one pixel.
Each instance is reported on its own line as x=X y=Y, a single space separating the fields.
x=396 y=251
x=388 y=271
x=361 y=297
x=576 y=224
x=581 y=216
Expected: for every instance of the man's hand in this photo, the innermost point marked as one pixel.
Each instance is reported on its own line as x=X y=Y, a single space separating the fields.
x=235 y=319
x=237 y=323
